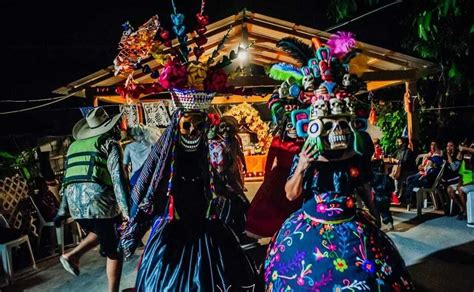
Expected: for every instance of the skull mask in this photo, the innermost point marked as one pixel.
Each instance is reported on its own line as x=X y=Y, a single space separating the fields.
x=290 y=130
x=284 y=90
x=224 y=130
x=346 y=80
x=228 y=127
x=338 y=106
x=319 y=109
x=308 y=83
x=191 y=129
x=336 y=133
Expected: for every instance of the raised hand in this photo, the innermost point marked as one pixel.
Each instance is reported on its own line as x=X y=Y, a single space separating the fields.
x=306 y=156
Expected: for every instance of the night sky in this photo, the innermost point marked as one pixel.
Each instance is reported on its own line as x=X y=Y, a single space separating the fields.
x=47 y=44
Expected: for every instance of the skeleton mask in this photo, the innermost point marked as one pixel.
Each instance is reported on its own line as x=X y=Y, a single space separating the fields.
x=346 y=80
x=284 y=90
x=319 y=109
x=191 y=129
x=224 y=130
x=308 y=83
x=337 y=106
x=349 y=105
x=290 y=130
x=336 y=133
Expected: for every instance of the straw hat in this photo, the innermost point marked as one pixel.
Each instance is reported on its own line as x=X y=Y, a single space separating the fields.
x=97 y=122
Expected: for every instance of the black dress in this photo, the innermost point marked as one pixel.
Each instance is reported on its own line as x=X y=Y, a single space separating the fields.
x=193 y=252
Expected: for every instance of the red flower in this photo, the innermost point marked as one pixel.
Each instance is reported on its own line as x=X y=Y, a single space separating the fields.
x=354 y=172
x=173 y=75
x=350 y=203
x=216 y=80
x=214 y=119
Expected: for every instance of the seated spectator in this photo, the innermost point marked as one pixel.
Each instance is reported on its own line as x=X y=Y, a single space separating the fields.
x=45 y=200
x=427 y=172
x=450 y=177
x=406 y=161
x=466 y=184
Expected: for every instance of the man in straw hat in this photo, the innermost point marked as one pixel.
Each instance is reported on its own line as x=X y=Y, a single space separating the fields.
x=95 y=191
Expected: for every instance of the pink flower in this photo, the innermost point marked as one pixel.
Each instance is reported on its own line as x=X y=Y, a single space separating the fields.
x=332 y=247
x=321 y=208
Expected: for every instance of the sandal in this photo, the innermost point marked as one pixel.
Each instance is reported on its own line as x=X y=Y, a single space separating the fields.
x=68 y=266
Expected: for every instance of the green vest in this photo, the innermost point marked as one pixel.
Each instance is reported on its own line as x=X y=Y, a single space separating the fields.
x=85 y=163
x=466 y=174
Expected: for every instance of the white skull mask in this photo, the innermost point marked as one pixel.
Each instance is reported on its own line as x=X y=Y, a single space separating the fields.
x=337 y=106
x=349 y=105
x=308 y=83
x=284 y=90
x=346 y=80
x=336 y=133
x=290 y=130
x=319 y=109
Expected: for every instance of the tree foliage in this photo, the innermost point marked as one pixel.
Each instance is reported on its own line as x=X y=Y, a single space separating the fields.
x=391 y=121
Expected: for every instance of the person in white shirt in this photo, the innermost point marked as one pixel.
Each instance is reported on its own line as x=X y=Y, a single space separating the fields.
x=137 y=151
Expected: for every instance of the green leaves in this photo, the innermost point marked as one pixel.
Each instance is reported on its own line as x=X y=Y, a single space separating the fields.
x=453 y=71
x=392 y=124
x=424 y=25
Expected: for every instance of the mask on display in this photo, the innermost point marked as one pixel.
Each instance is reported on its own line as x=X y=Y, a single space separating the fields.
x=191 y=130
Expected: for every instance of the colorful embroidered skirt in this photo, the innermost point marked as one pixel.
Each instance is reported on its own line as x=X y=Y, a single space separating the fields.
x=328 y=246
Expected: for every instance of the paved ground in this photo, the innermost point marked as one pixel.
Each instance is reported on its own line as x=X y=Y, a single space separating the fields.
x=438 y=250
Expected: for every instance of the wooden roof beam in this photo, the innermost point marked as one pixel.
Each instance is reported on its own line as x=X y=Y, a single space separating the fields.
x=393 y=75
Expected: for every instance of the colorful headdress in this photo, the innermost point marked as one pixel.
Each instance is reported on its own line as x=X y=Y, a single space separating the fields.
x=177 y=69
x=323 y=82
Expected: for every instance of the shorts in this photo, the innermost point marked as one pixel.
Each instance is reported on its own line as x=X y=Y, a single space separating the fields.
x=468 y=188
x=106 y=230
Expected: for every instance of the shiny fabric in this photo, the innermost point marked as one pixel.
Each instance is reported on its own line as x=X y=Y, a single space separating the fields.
x=202 y=255
x=270 y=207
x=188 y=251
x=329 y=246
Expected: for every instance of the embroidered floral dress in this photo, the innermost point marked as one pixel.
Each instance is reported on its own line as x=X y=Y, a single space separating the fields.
x=329 y=246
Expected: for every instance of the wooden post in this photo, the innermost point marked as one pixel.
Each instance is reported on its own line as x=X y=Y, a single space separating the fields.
x=410 y=109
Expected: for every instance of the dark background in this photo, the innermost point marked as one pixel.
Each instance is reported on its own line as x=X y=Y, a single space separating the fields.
x=47 y=44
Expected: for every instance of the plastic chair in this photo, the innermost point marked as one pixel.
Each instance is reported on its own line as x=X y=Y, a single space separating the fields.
x=6 y=251
x=470 y=209
x=421 y=193
x=59 y=232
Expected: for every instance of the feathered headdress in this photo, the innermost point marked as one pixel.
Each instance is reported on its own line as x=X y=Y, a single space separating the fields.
x=297 y=49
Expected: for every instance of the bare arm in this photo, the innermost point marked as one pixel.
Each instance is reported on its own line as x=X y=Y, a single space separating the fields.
x=114 y=165
x=294 y=186
x=466 y=149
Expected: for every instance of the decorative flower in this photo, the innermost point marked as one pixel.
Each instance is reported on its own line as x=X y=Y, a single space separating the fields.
x=173 y=75
x=214 y=119
x=332 y=247
x=321 y=208
x=354 y=172
x=196 y=75
x=350 y=203
x=274 y=275
x=368 y=266
x=340 y=264
x=386 y=269
x=216 y=80
x=337 y=288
